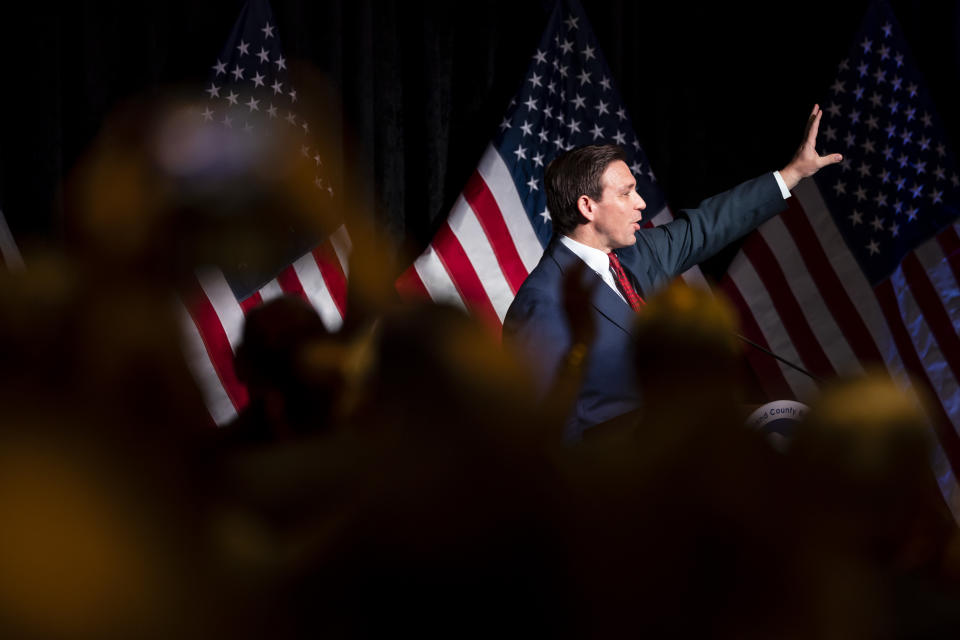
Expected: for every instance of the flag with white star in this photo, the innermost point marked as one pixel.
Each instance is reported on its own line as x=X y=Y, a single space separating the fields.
x=498 y=228
x=863 y=268
x=898 y=184
x=249 y=92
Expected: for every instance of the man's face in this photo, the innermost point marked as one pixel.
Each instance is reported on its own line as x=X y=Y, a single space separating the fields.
x=617 y=214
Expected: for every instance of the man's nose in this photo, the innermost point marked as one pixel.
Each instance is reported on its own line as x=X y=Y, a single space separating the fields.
x=641 y=203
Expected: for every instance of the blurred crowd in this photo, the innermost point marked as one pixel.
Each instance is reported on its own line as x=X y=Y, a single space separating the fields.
x=401 y=476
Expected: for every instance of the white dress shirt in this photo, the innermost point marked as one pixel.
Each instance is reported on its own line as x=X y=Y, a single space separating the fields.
x=783 y=185
x=595 y=259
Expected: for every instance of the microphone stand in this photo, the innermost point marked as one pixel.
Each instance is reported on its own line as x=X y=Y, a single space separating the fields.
x=783 y=360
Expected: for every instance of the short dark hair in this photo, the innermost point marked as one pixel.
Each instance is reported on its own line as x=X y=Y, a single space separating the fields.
x=573 y=174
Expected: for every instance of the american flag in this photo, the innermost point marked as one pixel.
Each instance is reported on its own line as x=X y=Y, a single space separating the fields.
x=499 y=226
x=249 y=88
x=863 y=268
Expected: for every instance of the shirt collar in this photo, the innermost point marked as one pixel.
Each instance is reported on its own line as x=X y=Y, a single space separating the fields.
x=595 y=258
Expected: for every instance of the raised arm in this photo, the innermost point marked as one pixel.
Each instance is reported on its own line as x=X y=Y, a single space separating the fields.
x=806 y=161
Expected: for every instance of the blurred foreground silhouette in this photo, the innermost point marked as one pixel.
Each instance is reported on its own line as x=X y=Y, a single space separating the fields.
x=396 y=477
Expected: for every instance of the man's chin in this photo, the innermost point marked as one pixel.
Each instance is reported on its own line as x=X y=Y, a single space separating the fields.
x=628 y=241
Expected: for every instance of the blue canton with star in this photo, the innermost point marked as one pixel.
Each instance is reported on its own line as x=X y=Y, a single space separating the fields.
x=898 y=184
x=567 y=100
x=249 y=89
x=249 y=92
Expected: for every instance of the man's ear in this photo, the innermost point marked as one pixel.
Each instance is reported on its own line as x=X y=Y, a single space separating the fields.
x=585 y=205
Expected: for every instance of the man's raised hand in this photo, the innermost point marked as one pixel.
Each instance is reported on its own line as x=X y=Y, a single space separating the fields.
x=806 y=161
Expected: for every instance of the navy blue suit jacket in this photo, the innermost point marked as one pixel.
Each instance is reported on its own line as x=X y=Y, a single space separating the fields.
x=537 y=324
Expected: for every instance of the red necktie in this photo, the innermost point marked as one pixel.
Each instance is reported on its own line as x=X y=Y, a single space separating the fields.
x=633 y=298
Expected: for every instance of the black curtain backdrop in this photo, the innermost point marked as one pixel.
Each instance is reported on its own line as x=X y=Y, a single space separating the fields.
x=719 y=92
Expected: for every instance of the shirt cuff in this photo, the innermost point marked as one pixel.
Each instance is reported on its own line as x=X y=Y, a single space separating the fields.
x=783 y=185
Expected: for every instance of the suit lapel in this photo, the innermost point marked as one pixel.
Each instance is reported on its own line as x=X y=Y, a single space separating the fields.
x=644 y=280
x=604 y=300
x=612 y=306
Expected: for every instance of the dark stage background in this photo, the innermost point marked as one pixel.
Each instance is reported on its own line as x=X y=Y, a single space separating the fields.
x=718 y=92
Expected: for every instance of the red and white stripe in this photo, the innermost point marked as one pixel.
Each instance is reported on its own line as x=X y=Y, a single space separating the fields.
x=213 y=318
x=801 y=293
x=485 y=249
x=483 y=252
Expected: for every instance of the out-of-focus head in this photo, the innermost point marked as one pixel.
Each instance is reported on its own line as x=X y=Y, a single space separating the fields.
x=275 y=336
x=163 y=189
x=866 y=446
x=686 y=333
x=38 y=319
x=437 y=368
x=85 y=343
x=293 y=368
x=870 y=429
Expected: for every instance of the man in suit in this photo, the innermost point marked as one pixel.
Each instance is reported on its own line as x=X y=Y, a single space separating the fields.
x=596 y=214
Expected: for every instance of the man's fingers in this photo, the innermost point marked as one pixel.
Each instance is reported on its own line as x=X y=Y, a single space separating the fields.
x=807 y=159
x=814 y=126
x=832 y=158
x=809 y=126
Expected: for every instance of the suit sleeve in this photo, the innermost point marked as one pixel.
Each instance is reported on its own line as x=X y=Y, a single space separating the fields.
x=535 y=328
x=696 y=234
